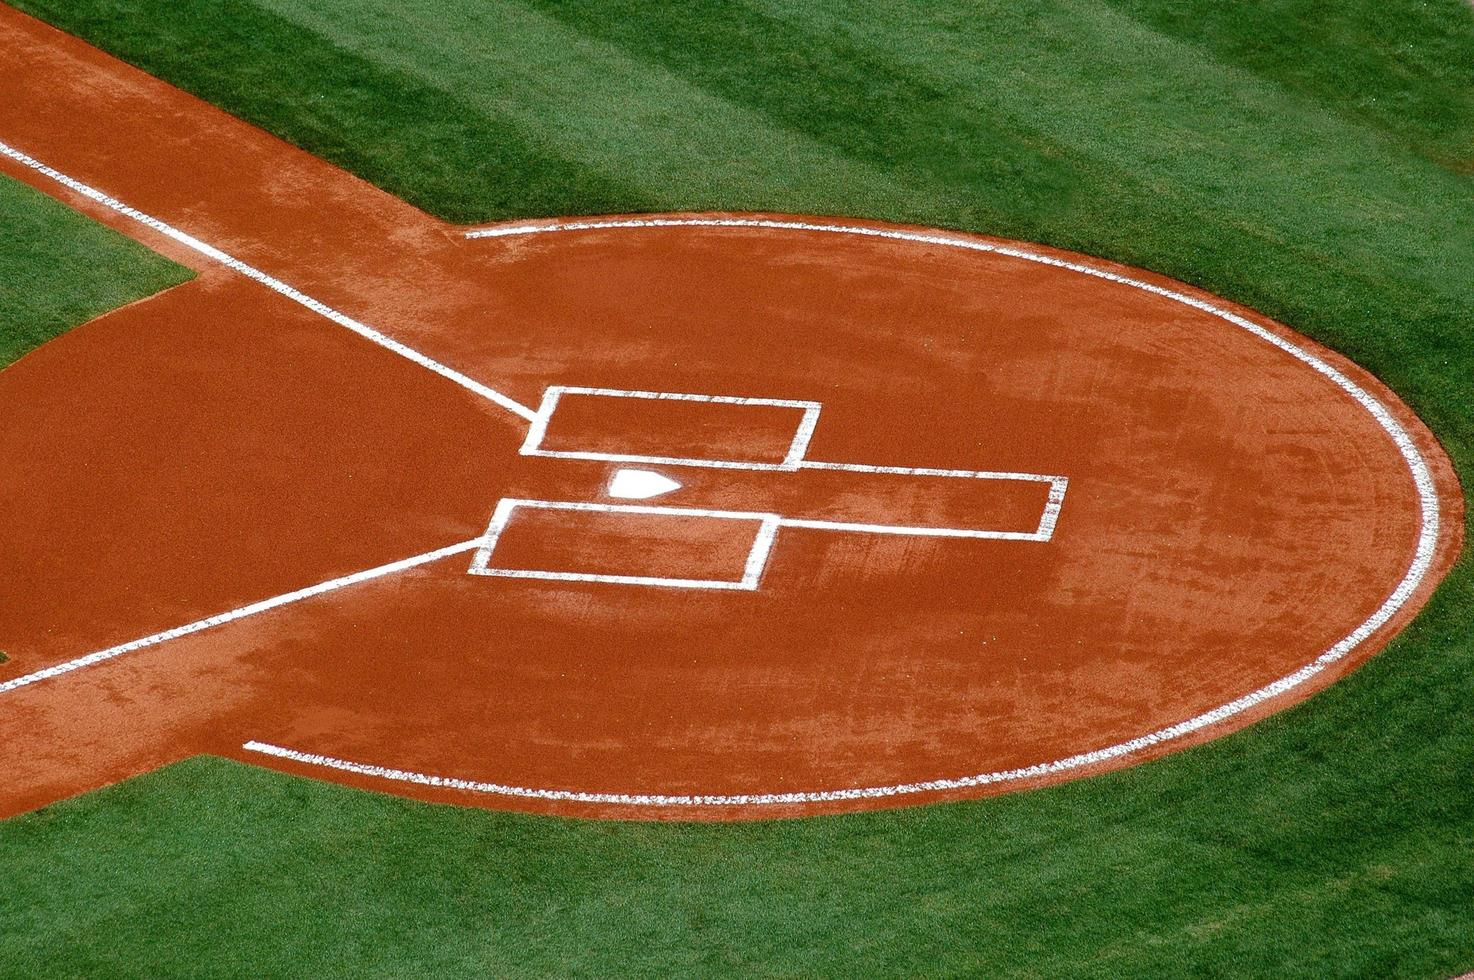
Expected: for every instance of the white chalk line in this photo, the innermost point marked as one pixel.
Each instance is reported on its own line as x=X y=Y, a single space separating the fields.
x=802 y=436
x=270 y=282
x=221 y=619
x=1417 y=570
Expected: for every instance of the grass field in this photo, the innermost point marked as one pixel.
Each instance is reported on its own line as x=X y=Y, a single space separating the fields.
x=1313 y=160
x=58 y=269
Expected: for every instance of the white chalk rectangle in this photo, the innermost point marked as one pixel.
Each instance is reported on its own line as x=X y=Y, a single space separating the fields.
x=631 y=426
x=672 y=543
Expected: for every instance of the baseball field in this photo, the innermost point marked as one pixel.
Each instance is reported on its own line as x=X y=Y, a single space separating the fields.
x=324 y=259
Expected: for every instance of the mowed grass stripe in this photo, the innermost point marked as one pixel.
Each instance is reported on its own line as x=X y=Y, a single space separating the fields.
x=1337 y=838
x=851 y=95
x=1157 y=131
x=1358 y=60
x=678 y=145
x=421 y=142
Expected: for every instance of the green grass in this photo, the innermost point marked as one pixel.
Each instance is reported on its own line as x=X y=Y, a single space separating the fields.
x=1310 y=159
x=58 y=269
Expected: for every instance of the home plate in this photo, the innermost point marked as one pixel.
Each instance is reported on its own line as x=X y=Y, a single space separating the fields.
x=640 y=484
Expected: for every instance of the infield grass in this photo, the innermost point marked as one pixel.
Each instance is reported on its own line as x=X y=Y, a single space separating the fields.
x=1309 y=159
x=58 y=268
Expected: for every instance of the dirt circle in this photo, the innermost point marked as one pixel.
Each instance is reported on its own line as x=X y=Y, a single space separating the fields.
x=1246 y=516
x=901 y=515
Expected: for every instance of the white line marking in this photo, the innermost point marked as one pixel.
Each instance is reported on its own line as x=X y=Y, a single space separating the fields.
x=752 y=571
x=499 y=518
x=540 y=420
x=913 y=530
x=710 y=464
x=1050 y=518
x=513 y=230
x=801 y=437
x=221 y=619
x=676 y=396
x=814 y=464
x=762 y=546
x=1417 y=569
x=648 y=580
x=270 y=282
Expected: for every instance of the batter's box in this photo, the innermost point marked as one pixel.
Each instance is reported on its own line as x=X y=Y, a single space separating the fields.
x=719 y=431
x=674 y=547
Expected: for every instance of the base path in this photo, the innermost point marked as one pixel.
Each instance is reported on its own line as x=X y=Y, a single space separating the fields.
x=692 y=516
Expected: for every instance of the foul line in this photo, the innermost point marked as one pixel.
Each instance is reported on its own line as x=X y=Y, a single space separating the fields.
x=221 y=619
x=1422 y=560
x=270 y=282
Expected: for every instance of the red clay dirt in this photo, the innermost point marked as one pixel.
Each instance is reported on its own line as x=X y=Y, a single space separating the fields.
x=1233 y=512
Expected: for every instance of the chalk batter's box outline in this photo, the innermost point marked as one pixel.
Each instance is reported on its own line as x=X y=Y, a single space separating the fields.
x=768 y=524
x=792 y=459
x=752 y=569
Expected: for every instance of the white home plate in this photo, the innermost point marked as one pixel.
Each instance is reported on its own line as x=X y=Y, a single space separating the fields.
x=640 y=484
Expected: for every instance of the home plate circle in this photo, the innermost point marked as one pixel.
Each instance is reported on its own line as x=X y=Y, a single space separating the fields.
x=767 y=516
x=937 y=516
